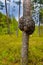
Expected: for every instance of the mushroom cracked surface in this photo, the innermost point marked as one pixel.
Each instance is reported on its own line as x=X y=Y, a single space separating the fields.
x=27 y=24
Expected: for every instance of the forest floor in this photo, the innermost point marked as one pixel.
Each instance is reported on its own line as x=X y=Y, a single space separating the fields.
x=10 y=49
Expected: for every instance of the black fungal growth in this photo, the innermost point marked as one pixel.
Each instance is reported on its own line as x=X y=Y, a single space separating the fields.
x=27 y=24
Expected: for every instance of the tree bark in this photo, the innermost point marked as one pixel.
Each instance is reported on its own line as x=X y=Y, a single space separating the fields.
x=26 y=8
x=25 y=49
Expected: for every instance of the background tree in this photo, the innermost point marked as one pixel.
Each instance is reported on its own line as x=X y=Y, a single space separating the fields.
x=19 y=5
x=8 y=26
x=40 y=2
x=8 y=4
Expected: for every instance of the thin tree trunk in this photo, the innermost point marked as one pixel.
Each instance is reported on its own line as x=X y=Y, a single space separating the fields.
x=26 y=13
x=7 y=18
x=25 y=48
x=18 y=16
x=39 y=28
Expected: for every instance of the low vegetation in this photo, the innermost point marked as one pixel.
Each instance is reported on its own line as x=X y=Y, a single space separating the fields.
x=10 y=45
x=3 y=24
x=10 y=49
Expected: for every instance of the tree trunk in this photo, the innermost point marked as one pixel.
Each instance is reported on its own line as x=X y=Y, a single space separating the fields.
x=25 y=49
x=18 y=16
x=27 y=8
x=7 y=18
x=26 y=13
x=27 y=26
